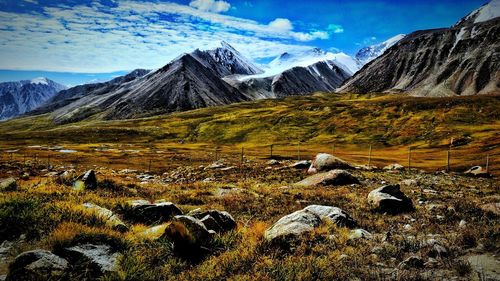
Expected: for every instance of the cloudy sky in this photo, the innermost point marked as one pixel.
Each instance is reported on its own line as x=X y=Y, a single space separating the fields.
x=78 y=41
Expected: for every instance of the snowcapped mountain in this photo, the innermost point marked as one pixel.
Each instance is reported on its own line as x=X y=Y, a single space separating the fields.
x=309 y=57
x=461 y=60
x=367 y=54
x=484 y=13
x=324 y=76
x=226 y=61
x=195 y=80
x=16 y=98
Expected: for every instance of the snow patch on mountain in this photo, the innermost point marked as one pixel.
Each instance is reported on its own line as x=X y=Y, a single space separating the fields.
x=367 y=54
x=40 y=80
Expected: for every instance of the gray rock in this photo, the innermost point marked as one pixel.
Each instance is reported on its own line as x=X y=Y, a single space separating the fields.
x=390 y=199
x=186 y=232
x=492 y=208
x=486 y=266
x=477 y=171
x=8 y=184
x=333 y=177
x=412 y=262
x=223 y=218
x=304 y=164
x=107 y=215
x=394 y=167
x=273 y=162
x=359 y=234
x=292 y=226
x=141 y=211
x=211 y=224
x=37 y=265
x=96 y=259
x=438 y=251
x=334 y=214
x=325 y=162
x=86 y=180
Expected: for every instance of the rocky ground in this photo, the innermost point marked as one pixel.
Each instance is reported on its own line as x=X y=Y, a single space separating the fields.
x=264 y=220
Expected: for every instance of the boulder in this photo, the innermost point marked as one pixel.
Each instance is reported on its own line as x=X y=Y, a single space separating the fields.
x=223 y=219
x=394 y=167
x=86 y=180
x=333 y=177
x=141 y=211
x=273 y=162
x=412 y=262
x=304 y=164
x=485 y=266
x=215 y=165
x=186 y=232
x=154 y=232
x=37 y=265
x=107 y=215
x=211 y=224
x=325 y=162
x=477 y=171
x=292 y=226
x=492 y=208
x=333 y=214
x=8 y=184
x=390 y=199
x=359 y=234
x=97 y=260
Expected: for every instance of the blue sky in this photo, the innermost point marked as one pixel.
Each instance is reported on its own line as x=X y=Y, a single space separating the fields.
x=80 y=41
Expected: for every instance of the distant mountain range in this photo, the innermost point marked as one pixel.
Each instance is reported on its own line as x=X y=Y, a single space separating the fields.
x=463 y=60
x=20 y=97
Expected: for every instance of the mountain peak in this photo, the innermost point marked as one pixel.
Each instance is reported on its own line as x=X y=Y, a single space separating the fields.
x=40 y=80
x=367 y=54
x=484 y=13
x=226 y=45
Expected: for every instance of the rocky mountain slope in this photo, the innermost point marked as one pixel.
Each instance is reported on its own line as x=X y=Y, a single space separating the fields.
x=188 y=82
x=191 y=81
x=461 y=60
x=19 y=97
x=323 y=76
x=70 y=95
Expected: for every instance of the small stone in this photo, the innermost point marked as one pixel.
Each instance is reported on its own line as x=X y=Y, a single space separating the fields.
x=412 y=262
x=462 y=224
x=8 y=184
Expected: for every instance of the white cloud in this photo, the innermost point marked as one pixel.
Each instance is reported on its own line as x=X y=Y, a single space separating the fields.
x=211 y=5
x=281 y=25
x=335 y=28
x=132 y=35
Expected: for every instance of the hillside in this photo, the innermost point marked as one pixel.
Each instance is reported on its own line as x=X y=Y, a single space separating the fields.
x=461 y=60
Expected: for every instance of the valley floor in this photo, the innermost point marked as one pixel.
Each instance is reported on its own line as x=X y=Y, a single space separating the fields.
x=219 y=159
x=451 y=211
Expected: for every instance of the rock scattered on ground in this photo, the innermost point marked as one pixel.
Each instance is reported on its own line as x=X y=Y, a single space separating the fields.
x=333 y=177
x=394 y=167
x=325 y=162
x=142 y=211
x=477 y=171
x=87 y=180
x=96 y=259
x=37 y=265
x=8 y=184
x=389 y=199
x=292 y=226
x=107 y=215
